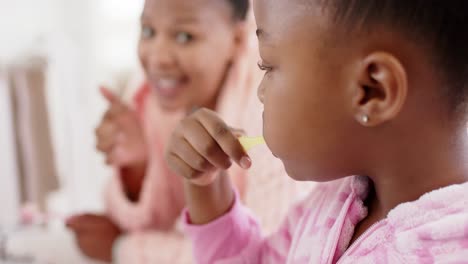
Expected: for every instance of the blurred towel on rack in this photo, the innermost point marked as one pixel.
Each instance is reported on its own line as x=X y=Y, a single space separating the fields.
x=35 y=156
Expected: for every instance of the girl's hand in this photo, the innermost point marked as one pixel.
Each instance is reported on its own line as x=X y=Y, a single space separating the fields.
x=202 y=146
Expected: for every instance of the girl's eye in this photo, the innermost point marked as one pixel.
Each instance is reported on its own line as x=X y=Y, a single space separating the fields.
x=147 y=32
x=263 y=67
x=184 y=37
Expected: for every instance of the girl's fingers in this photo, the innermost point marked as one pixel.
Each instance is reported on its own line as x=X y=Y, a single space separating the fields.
x=237 y=132
x=205 y=144
x=187 y=153
x=223 y=136
x=180 y=167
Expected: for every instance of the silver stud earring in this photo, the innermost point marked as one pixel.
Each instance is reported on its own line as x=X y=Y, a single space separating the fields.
x=365 y=119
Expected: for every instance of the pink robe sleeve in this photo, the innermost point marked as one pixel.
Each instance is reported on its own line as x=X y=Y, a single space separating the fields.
x=237 y=238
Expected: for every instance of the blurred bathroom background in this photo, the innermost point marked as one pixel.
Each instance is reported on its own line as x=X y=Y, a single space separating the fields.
x=54 y=54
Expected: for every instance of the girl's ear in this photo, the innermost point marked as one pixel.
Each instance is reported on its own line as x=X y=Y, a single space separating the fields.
x=381 y=89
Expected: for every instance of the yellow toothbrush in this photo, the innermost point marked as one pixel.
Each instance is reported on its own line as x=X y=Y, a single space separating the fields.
x=250 y=142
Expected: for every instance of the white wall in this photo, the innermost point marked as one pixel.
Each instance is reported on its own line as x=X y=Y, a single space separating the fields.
x=86 y=42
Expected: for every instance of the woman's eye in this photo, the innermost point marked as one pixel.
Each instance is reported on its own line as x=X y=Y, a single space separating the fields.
x=184 y=37
x=147 y=32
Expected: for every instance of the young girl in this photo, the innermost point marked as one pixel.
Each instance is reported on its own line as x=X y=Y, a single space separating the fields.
x=370 y=88
x=195 y=53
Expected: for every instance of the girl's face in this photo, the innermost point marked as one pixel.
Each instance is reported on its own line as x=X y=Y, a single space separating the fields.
x=185 y=49
x=306 y=121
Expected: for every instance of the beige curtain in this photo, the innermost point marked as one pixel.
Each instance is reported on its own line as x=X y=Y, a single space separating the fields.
x=37 y=171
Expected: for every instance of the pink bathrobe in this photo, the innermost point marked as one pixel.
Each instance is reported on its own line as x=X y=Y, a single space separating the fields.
x=433 y=229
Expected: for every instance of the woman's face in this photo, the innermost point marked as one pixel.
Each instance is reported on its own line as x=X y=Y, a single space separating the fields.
x=185 y=49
